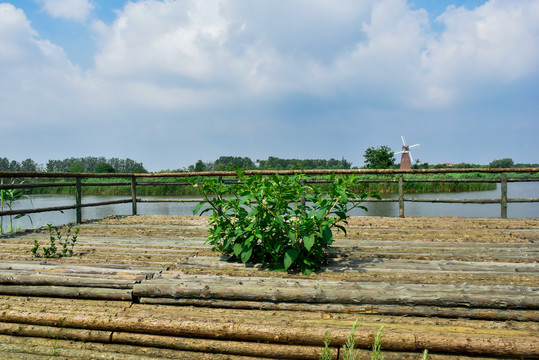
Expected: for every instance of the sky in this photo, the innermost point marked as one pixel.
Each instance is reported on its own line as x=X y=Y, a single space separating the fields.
x=167 y=83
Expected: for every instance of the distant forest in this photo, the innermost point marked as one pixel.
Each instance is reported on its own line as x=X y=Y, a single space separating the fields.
x=87 y=164
x=231 y=163
x=92 y=164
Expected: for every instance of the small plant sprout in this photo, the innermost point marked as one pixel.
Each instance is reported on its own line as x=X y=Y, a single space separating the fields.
x=9 y=197
x=55 y=235
x=326 y=352
x=377 y=346
x=348 y=351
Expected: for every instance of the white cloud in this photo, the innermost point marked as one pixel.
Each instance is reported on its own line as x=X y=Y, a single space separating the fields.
x=34 y=73
x=68 y=9
x=496 y=43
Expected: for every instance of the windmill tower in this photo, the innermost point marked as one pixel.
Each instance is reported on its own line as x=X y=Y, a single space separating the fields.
x=406 y=157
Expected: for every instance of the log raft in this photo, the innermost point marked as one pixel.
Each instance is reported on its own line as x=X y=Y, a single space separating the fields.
x=142 y=287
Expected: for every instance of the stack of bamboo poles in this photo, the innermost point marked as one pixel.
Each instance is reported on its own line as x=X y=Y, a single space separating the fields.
x=149 y=288
x=189 y=332
x=70 y=281
x=470 y=301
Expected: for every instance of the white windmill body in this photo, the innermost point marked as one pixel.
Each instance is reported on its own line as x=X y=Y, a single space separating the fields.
x=406 y=155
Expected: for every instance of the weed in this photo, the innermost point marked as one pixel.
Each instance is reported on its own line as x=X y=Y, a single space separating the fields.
x=326 y=353
x=377 y=346
x=348 y=351
x=55 y=234
x=9 y=197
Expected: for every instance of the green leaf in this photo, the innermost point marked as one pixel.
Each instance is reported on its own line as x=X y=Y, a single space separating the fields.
x=289 y=257
x=198 y=207
x=292 y=236
x=308 y=242
x=237 y=249
x=246 y=254
x=327 y=235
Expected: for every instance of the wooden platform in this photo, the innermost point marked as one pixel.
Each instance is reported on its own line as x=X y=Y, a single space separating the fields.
x=147 y=287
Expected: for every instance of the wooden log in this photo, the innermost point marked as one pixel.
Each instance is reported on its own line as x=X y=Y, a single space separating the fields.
x=55 y=332
x=32 y=348
x=277 y=351
x=393 y=310
x=67 y=291
x=25 y=302
x=54 y=351
x=72 y=268
x=42 y=280
x=385 y=265
x=314 y=291
x=486 y=343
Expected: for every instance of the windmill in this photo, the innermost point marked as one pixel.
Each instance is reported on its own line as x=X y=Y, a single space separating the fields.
x=406 y=157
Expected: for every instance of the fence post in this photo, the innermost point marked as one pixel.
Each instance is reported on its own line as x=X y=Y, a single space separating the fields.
x=134 y=194
x=78 y=199
x=504 y=196
x=401 y=195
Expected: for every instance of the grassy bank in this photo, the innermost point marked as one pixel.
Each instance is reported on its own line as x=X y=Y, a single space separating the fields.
x=166 y=188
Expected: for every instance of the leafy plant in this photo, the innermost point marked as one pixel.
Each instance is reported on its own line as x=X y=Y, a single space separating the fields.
x=9 y=197
x=282 y=222
x=55 y=235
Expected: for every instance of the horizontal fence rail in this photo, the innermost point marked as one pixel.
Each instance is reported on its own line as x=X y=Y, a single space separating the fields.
x=30 y=180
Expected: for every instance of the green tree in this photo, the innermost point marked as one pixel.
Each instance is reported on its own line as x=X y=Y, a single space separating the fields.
x=77 y=166
x=29 y=165
x=502 y=163
x=381 y=157
x=104 y=168
x=200 y=166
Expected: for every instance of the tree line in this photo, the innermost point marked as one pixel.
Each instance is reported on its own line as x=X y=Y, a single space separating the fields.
x=381 y=157
x=89 y=164
x=231 y=163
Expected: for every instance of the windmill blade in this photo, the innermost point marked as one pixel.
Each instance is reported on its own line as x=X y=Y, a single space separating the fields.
x=403 y=141
x=411 y=158
x=413 y=146
x=398 y=152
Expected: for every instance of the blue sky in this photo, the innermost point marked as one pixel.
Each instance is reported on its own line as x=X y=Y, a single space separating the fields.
x=170 y=82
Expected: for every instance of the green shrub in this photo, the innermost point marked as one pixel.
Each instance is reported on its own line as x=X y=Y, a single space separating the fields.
x=278 y=221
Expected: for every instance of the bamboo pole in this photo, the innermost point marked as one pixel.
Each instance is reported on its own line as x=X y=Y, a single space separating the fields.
x=374 y=309
x=506 y=343
x=67 y=291
x=326 y=291
x=277 y=351
x=504 y=196
x=401 y=196
x=78 y=199
x=134 y=195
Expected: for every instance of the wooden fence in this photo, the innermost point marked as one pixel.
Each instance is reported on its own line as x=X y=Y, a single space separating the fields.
x=29 y=180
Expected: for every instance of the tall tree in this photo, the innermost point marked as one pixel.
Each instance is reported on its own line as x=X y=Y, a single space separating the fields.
x=502 y=163
x=381 y=157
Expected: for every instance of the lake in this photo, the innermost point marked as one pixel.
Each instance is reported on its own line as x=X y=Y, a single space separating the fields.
x=515 y=190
